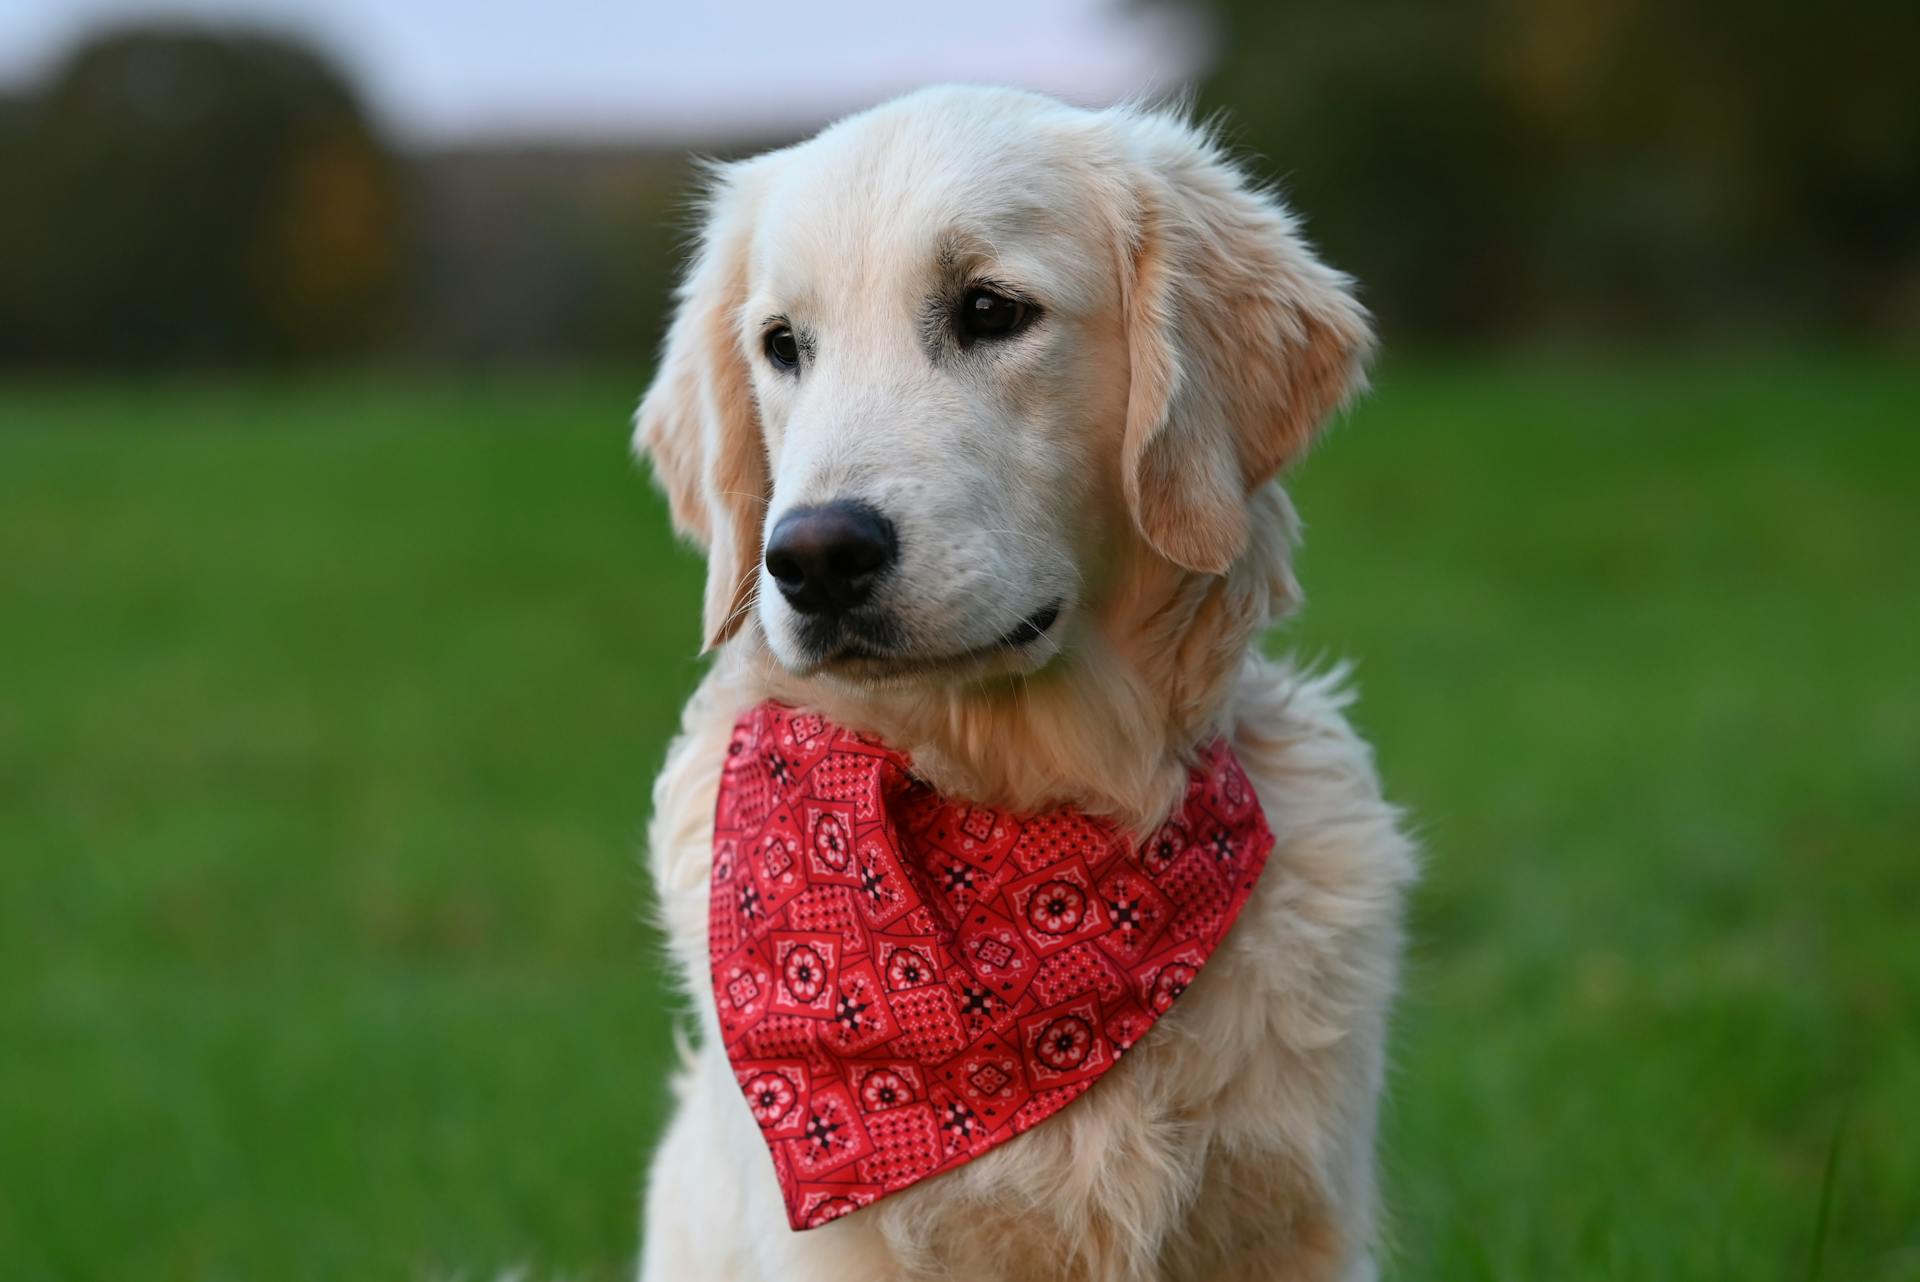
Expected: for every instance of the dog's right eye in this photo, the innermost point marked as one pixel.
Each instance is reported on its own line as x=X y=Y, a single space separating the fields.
x=782 y=350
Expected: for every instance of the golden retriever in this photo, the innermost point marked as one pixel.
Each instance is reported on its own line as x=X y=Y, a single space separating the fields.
x=1022 y=375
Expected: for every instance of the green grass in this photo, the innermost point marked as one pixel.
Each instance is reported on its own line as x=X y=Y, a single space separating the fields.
x=328 y=715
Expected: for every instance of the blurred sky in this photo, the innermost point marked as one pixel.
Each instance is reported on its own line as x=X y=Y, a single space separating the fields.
x=451 y=71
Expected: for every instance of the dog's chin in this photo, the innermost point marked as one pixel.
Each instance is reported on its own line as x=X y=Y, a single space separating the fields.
x=873 y=654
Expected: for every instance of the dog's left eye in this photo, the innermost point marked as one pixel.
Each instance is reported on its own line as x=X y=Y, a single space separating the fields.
x=987 y=314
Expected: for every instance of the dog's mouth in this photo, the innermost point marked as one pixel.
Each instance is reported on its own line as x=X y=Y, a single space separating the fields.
x=873 y=650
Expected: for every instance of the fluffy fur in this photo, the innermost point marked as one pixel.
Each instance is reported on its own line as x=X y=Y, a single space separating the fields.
x=1117 y=458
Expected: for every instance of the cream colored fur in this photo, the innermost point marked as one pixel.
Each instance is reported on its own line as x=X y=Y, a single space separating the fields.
x=1120 y=457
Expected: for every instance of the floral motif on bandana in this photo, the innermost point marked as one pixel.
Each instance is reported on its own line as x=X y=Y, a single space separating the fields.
x=905 y=981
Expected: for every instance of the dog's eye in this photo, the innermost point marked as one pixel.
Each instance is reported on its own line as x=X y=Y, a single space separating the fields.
x=782 y=350
x=985 y=314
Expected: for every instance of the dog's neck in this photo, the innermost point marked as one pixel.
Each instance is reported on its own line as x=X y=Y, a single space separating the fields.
x=1110 y=725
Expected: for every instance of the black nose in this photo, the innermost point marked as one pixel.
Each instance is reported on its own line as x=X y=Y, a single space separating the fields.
x=827 y=559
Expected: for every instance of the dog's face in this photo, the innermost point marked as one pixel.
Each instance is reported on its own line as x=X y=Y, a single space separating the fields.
x=934 y=352
x=937 y=369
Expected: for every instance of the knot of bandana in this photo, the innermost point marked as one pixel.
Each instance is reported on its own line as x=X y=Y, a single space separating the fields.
x=905 y=981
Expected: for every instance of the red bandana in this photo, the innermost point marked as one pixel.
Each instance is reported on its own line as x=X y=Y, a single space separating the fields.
x=905 y=981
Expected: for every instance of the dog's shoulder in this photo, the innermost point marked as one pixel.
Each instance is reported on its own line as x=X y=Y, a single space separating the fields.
x=1342 y=859
x=1313 y=771
x=680 y=832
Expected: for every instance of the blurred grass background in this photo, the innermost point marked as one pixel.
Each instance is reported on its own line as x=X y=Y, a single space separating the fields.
x=340 y=639
x=332 y=707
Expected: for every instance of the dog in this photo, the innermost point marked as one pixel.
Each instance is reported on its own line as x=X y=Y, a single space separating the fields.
x=975 y=402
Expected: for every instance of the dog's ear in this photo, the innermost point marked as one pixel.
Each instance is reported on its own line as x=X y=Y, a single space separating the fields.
x=1241 y=343
x=698 y=422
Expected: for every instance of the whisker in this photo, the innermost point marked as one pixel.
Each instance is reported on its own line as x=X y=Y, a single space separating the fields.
x=745 y=606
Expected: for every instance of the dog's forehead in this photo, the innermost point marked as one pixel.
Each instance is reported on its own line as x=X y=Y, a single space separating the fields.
x=889 y=197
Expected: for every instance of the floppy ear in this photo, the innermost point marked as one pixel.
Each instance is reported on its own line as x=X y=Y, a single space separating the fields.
x=698 y=422
x=1240 y=342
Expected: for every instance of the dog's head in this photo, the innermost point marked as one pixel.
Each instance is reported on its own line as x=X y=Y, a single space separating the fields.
x=937 y=372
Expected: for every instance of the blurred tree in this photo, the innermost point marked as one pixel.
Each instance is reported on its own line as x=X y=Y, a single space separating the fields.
x=1502 y=165
x=15 y=212
x=547 y=253
x=186 y=195
x=1485 y=167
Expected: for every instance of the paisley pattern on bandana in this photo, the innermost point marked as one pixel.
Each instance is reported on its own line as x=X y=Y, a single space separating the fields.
x=904 y=981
